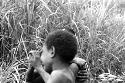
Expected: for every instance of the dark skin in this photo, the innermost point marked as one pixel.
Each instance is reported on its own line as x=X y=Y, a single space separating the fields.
x=34 y=77
x=81 y=74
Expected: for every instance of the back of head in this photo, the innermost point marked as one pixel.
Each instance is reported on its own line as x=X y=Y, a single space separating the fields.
x=65 y=44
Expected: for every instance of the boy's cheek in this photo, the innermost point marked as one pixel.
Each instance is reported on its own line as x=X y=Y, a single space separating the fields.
x=44 y=59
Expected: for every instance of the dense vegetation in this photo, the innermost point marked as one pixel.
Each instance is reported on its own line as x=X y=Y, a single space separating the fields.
x=99 y=27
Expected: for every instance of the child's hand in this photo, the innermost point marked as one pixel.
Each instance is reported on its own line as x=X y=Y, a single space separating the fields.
x=82 y=74
x=79 y=61
x=34 y=58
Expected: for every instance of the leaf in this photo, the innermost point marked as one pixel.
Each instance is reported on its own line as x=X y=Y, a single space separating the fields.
x=52 y=18
x=46 y=11
x=66 y=19
x=52 y=7
x=42 y=33
x=104 y=37
x=50 y=26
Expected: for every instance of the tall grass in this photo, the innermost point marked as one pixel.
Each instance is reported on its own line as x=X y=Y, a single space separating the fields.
x=99 y=26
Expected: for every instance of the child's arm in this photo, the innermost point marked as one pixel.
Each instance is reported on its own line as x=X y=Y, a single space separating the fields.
x=82 y=74
x=37 y=64
x=43 y=73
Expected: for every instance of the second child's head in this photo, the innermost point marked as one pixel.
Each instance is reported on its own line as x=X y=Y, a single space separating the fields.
x=60 y=45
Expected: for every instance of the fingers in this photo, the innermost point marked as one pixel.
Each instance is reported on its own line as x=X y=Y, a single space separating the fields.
x=82 y=67
x=35 y=53
x=81 y=63
x=34 y=58
x=82 y=72
x=81 y=78
x=82 y=75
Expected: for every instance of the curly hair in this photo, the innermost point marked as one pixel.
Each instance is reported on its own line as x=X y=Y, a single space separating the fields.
x=65 y=44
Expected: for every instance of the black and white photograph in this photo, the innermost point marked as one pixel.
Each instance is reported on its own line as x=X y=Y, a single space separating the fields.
x=62 y=41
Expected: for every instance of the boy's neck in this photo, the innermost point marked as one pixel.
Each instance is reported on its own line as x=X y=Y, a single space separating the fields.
x=58 y=65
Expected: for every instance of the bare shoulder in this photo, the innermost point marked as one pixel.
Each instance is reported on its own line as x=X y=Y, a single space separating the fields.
x=58 y=77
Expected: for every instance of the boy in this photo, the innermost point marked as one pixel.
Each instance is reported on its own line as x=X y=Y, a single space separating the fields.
x=34 y=77
x=58 y=51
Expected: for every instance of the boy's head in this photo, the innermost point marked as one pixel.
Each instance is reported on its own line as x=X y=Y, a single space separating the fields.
x=61 y=44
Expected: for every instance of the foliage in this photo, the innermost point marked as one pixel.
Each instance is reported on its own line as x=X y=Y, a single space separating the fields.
x=99 y=27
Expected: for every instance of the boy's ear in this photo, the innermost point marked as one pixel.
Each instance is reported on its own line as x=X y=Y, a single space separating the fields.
x=53 y=51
